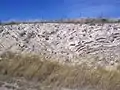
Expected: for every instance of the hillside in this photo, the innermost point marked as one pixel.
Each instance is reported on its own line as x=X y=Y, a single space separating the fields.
x=67 y=41
x=89 y=56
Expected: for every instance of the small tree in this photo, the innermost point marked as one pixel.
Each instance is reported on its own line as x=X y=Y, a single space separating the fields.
x=0 y=22
x=104 y=20
x=118 y=21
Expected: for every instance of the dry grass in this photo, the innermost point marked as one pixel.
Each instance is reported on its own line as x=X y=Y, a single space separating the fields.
x=54 y=74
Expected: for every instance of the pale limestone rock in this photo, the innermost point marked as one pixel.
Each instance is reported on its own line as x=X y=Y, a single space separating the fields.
x=63 y=41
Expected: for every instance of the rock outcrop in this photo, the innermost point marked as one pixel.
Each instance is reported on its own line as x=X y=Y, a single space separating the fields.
x=71 y=42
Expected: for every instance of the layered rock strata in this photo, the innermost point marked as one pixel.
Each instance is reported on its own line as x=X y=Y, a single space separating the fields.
x=67 y=42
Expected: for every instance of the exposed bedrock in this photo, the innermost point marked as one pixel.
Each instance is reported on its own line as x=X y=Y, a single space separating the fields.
x=69 y=42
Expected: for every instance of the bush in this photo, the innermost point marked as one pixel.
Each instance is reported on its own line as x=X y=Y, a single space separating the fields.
x=0 y=22
x=11 y=23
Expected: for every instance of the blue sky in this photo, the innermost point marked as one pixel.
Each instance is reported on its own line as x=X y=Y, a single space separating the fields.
x=56 y=9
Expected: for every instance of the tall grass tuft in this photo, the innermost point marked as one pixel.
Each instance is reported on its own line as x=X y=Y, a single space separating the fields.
x=52 y=73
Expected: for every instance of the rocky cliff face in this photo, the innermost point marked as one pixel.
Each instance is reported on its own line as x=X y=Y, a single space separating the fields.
x=66 y=41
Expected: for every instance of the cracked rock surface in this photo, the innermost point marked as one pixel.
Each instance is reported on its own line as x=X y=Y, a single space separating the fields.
x=66 y=41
